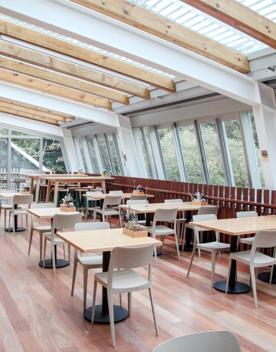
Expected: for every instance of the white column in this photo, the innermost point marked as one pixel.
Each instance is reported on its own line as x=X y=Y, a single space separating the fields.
x=265 y=119
x=70 y=150
x=128 y=148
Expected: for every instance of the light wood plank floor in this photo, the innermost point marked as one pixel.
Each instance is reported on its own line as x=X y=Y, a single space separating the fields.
x=37 y=312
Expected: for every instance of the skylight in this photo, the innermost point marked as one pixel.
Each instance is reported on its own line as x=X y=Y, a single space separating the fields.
x=179 y=12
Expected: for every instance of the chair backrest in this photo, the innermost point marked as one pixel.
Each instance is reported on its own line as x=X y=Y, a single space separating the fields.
x=246 y=214
x=42 y=205
x=213 y=341
x=177 y=200
x=207 y=210
x=83 y=226
x=137 y=202
x=134 y=197
x=130 y=258
x=23 y=199
x=264 y=239
x=165 y=215
x=65 y=221
x=116 y=193
x=204 y=217
x=111 y=201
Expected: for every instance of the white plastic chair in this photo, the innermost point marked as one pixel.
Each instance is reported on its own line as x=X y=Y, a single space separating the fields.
x=116 y=193
x=94 y=207
x=246 y=214
x=210 y=341
x=39 y=228
x=255 y=259
x=87 y=261
x=179 y=221
x=213 y=247
x=108 y=208
x=60 y=223
x=164 y=215
x=121 y=278
x=5 y=205
x=140 y=202
x=24 y=200
x=206 y=209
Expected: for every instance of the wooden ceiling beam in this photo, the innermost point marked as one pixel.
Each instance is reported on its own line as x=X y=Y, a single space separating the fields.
x=53 y=43
x=240 y=17
x=58 y=90
x=70 y=68
x=59 y=78
x=16 y=112
x=149 y=22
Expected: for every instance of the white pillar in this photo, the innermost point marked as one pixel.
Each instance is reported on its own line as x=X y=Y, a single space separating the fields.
x=265 y=119
x=70 y=150
x=127 y=146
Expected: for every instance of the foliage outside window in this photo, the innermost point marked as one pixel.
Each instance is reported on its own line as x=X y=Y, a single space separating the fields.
x=93 y=156
x=213 y=153
x=28 y=160
x=190 y=153
x=52 y=156
x=114 y=155
x=237 y=154
x=3 y=154
x=104 y=153
x=168 y=154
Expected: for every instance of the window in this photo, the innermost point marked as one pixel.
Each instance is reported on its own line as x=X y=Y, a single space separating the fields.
x=213 y=153
x=114 y=154
x=3 y=157
x=191 y=154
x=237 y=154
x=104 y=153
x=93 y=155
x=168 y=154
x=52 y=156
x=24 y=153
x=80 y=141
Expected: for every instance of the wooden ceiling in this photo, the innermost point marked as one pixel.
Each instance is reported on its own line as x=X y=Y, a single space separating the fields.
x=99 y=80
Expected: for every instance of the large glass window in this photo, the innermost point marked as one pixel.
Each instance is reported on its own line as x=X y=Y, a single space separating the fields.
x=104 y=153
x=191 y=154
x=114 y=156
x=24 y=154
x=168 y=153
x=213 y=153
x=93 y=155
x=237 y=153
x=52 y=156
x=3 y=162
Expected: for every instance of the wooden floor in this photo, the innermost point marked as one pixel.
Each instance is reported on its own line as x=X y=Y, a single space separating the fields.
x=37 y=312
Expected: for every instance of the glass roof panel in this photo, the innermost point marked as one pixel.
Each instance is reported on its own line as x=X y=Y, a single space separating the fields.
x=178 y=11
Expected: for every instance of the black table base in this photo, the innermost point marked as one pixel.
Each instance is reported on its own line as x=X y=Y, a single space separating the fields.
x=120 y=314
x=266 y=277
x=238 y=287
x=17 y=229
x=60 y=263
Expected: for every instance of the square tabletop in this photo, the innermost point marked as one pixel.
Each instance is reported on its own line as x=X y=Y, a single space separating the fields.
x=152 y=207
x=48 y=213
x=103 y=240
x=239 y=226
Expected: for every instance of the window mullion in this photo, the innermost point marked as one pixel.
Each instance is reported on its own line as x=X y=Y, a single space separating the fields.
x=178 y=153
x=202 y=153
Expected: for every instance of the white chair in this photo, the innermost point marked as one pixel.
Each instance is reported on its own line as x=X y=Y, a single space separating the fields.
x=87 y=261
x=5 y=205
x=39 y=228
x=246 y=214
x=140 y=202
x=255 y=259
x=21 y=202
x=201 y=211
x=164 y=215
x=180 y=222
x=121 y=278
x=213 y=247
x=108 y=208
x=210 y=341
x=60 y=223
x=94 y=207
x=116 y=193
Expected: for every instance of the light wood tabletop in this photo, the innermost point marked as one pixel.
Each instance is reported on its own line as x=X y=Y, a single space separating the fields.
x=152 y=207
x=124 y=196
x=8 y=194
x=48 y=213
x=103 y=240
x=239 y=226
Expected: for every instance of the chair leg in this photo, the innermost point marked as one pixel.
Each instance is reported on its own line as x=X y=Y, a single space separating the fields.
x=13 y=224
x=253 y=278
x=271 y=274
x=129 y=303
x=177 y=246
x=30 y=241
x=69 y=253
x=111 y=316
x=40 y=245
x=213 y=259
x=94 y=301
x=191 y=261
x=5 y=219
x=153 y=312
x=196 y=233
x=120 y=219
x=120 y=299
x=184 y=238
x=74 y=273
x=53 y=257
x=85 y=279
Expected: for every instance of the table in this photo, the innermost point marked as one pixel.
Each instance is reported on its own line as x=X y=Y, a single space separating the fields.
x=234 y=228
x=103 y=241
x=49 y=213
x=103 y=195
x=9 y=195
